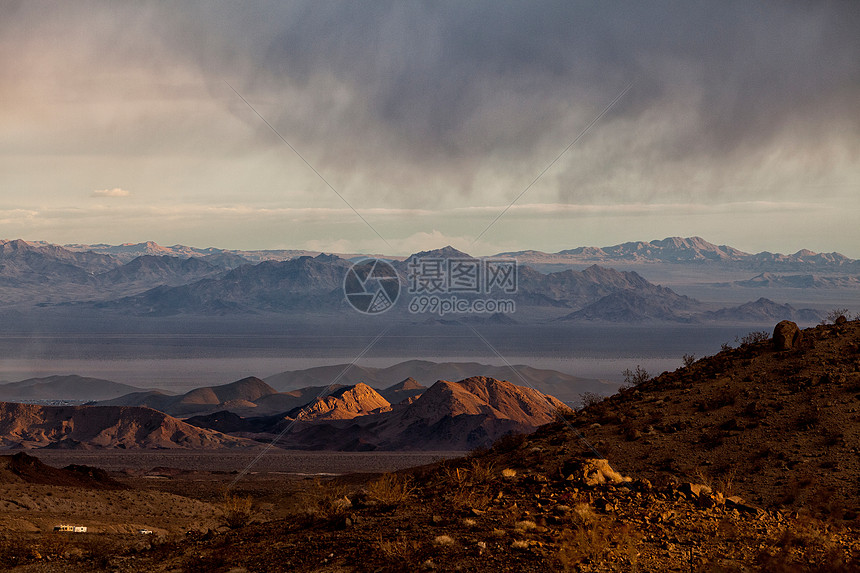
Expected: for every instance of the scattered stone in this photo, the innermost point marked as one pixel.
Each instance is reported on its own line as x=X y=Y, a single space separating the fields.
x=443 y=540
x=509 y=473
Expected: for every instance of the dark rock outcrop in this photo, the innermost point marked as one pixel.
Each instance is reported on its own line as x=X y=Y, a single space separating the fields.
x=786 y=335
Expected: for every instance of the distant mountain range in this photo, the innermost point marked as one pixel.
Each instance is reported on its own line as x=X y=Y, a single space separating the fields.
x=210 y=283
x=70 y=387
x=406 y=378
x=678 y=250
x=627 y=307
x=669 y=250
x=771 y=280
x=447 y=416
x=287 y=391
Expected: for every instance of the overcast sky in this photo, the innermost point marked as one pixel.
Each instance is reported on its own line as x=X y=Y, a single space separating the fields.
x=119 y=123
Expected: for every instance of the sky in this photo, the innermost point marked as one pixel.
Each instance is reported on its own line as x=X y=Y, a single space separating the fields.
x=394 y=127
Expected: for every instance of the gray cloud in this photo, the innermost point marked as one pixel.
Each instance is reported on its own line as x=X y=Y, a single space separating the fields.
x=410 y=104
x=443 y=86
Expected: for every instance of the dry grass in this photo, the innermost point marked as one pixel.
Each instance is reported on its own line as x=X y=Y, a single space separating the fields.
x=591 y=537
x=482 y=471
x=322 y=499
x=397 y=550
x=237 y=510
x=391 y=489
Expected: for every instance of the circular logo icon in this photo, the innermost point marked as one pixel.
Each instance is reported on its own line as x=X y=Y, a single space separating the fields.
x=371 y=286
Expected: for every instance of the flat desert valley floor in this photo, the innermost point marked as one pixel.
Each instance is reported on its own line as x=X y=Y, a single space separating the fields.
x=178 y=361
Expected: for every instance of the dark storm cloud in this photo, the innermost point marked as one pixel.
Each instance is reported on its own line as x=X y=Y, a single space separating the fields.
x=405 y=91
x=435 y=65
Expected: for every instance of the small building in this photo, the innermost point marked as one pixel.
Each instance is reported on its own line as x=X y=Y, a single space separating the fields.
x=71 y=528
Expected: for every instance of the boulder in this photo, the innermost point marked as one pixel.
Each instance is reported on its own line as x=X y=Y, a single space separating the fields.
x=786 y=336
x=595 y=472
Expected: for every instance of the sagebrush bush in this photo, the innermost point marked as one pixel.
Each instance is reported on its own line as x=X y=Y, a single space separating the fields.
x=390 y=489
x=635 y=377
x=237 y=510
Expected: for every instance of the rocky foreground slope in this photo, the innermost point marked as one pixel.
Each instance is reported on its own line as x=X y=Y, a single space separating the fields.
x=779 y=427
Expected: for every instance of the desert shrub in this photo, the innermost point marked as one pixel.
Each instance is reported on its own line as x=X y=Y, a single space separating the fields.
x=587 y=399
x=821 y=550
x=754 y=337
x=482 y=471
x=455 y=476
x=509 y=442
x=689 y=359
x=724 y=396
x=390 y=489
x=635 y=377
x=469 y=487
x=831 y=316
x=319 y=499
x=399 y=549
x=725 y=484
x=590 y=537
x=237 y=510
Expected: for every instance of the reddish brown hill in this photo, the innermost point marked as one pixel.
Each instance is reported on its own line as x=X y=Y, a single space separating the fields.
x=31 y=426
x=29 y=469
x=481 y=395
x=345 y=403
x=404 y=390
x=448 y=416
x=241 y=395
x=246 y=389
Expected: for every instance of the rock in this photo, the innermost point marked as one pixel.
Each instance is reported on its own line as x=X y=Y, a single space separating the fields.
x=741 y=505
x=604 y=505
x=786 y=336
x=840 y=319
x=642 y=485
x=342 y=504
x=596 y=472
x=694 y=489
